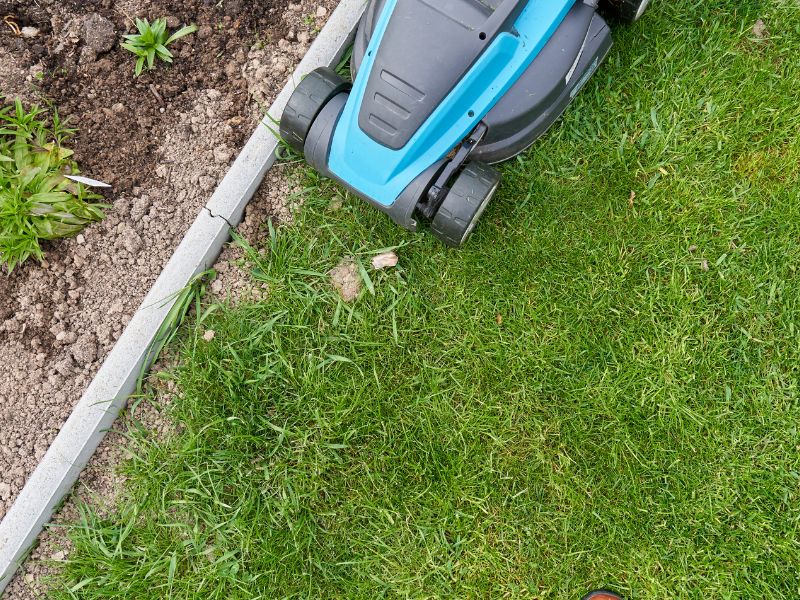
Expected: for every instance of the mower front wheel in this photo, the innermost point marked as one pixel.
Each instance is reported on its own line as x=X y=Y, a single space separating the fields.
x=308 y=99
x=464 y=204
x=629 y=11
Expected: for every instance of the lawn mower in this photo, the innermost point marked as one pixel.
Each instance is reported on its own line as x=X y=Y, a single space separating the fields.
x=442 y=89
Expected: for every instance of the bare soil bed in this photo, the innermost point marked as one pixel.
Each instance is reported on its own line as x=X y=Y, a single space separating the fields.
x=163 y=141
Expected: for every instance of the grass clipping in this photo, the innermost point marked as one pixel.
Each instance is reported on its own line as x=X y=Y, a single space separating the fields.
x=37 y=199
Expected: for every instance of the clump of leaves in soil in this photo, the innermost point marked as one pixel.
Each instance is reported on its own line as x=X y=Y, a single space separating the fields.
x=152 y=42
x=37 y=199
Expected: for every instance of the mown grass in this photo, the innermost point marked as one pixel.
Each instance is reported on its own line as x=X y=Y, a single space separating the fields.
x=599 y=390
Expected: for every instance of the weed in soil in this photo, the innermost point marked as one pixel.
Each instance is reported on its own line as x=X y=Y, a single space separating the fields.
x=152 y=42
x=37 y=199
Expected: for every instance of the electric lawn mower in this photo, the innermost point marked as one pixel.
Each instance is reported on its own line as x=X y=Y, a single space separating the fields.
x=443 y=89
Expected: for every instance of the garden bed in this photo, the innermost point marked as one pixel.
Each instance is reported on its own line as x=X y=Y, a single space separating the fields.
x=162 y=140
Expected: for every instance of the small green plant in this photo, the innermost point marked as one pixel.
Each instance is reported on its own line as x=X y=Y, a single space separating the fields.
x=38 y=201
x=152 y=42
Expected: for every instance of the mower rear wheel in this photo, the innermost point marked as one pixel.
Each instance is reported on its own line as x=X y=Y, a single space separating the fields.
x=629 y=11
x=308 y=99
x=464 y=204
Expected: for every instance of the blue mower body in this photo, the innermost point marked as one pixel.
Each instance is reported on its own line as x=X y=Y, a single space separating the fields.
x=441 y=89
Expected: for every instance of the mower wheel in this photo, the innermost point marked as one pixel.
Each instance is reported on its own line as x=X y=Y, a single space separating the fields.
x=629 y=11
x=308 y=99
x=464 y=204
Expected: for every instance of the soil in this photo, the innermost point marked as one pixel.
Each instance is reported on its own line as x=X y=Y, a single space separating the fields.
x=163 y=141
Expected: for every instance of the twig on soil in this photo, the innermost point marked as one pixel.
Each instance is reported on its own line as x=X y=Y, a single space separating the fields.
x=156 y=94
x=126 y=15
x=10 y=20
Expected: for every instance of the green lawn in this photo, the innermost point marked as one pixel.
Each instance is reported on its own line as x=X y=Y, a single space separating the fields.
x=597 y=391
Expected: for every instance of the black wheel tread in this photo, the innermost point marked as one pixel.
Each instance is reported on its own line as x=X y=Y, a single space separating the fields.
x=624 y=10
x=465 y=198
x=306 y=102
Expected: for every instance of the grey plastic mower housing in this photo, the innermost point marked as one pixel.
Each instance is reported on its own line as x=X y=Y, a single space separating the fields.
x=542 y=93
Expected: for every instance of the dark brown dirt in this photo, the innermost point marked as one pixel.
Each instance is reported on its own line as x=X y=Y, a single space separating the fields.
x=163 y=140
x=121 y=120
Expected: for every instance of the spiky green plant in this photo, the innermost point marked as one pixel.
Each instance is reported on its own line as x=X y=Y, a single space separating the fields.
x=37 y=200
x=151 y=42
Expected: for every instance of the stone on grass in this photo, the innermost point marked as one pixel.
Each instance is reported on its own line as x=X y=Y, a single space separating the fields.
x=385 y=260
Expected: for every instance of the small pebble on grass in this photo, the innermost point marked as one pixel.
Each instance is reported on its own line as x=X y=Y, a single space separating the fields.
x=385 y=260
